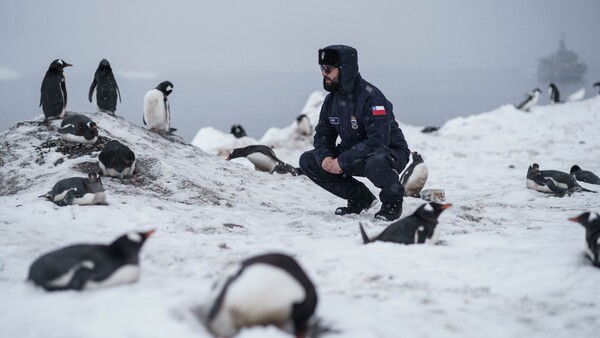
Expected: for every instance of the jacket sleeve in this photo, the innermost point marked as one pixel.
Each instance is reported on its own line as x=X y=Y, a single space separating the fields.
x=325 y=135
x=377 y=116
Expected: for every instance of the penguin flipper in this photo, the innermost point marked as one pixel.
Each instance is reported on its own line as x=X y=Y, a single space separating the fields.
x=67 y=200
x=365 y=238
x=63 y=86
x=68 y=129
x=94 y=83
x=118 y=91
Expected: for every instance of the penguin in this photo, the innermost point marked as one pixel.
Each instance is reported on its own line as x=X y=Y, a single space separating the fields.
x=418 y=228
x=430 y=129
x=116 y=160
x=552 y=181
x=77 y=191
x=303 y=125
x=591 y=223
x=554 y=93
x=264 y=159
x=584 y=175
x=53 y=99
x=237 y=130
x=269 y=289
x=414 y=176
x=89 y=266
x=104 y=89
x=597 y=84
x=78 y=128
x=532 y=99
x=157 y=113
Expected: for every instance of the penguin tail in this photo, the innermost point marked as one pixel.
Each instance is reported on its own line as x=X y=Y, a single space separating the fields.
x=46 y=196
x=365 y=238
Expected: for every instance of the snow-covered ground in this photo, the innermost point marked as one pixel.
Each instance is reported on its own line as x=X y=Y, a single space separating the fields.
x=510 y=264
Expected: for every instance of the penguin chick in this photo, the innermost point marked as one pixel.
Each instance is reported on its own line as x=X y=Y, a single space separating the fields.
x=591 y=223
x=414 y=177
x=418 y=228
x=53 y=98
x=263 y=158
x=77 y=191
x=87 y=266
x=584 y=175
x=78 y=128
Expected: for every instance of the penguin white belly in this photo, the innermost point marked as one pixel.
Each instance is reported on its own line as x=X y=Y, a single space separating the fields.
x=77 y=139
x=90 y=199
x=66 y=278
x=262 y=162
x=262 y=295
x=304 y=127
x=114 y=173
x=126 y=274
x=434 y=238
x=155 y=113
x=417 y=180
x=541 y=188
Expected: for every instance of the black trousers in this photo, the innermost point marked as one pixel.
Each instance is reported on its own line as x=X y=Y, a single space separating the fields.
x=383 y=169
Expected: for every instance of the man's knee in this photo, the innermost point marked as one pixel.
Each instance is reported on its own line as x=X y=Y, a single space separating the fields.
x=307 y=161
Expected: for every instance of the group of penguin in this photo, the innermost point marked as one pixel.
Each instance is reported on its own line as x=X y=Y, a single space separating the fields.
x=533 y=98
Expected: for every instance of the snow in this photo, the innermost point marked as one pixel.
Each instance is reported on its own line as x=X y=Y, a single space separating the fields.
x=510 y=263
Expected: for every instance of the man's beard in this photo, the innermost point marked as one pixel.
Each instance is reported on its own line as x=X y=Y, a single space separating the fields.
x=333 y=86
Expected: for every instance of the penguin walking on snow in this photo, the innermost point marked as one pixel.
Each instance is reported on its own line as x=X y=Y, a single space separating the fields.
x=238 y=131
x=104 y=89
x=87 y=266
x=532 y=99
x=78 y=128
x=263 y=158
x=270 y=289
x=414 y=177
x=554 y=94
x=584 y=175
x=303 y=125
x=418 y=228
x=591 y=223
x=53 y=99
x=552 y=181
x=116 y=160
x=77 y=191
x=157 y=112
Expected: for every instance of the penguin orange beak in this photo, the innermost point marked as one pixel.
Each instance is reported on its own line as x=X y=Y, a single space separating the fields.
x=574 y=219
x=446 y=206
x=147 y=234
x=68 y=65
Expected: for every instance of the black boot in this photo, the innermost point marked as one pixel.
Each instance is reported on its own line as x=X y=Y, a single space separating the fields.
x=357 y=206
x=389 y=211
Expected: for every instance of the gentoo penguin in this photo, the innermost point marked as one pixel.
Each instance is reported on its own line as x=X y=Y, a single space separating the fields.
x=87 y=266
x=554 y=93
x=54 y=91
x=104 y=88
x=418 y=228
x=263 y=158
x=303 y=125
x=270 y=289
x=414 y=176
x=157 y=113
x=237 y=130
x=552 y=181
x=584 y=175
x=597 y=84
x=78 y=190
x=116 y=160
x=430 y=129
x=532 y=99
x=78 y=128
x=591 y=223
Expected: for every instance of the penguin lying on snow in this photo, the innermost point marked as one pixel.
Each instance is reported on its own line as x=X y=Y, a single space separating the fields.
x=263 y=158
x=237 y=131
x=418 y=228
x=157 y=112
x=78 y=128
x=104 y=89
x=77 y=190
x=270 y=289
x=53 y=99
x=532 y=99
x=584 y=175
x=552 y=181
x=116 y=160
x=591 y=223
x=87 y=266
x=414 y=177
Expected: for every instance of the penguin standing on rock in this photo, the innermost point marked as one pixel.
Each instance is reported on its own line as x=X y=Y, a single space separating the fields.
x=418 y=228
x=532 y=99
x=157 y=112
x=116 y=160
x=591 y=223
x=77 y=190
x=263 y=158
x=270 y=289
x=53 y=99
x=414 y=177
x=584 y=175
x=104 y=89
x=554 y=94
x=78 y=128
x=87 y=266
x=552 y=181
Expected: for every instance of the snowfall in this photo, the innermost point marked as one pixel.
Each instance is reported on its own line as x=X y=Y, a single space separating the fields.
x=509 y=263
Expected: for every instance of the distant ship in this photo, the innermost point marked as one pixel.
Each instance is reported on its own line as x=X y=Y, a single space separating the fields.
x=563 y=66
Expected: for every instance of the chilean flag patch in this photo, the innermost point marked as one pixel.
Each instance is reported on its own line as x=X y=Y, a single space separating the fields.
x=378 y=110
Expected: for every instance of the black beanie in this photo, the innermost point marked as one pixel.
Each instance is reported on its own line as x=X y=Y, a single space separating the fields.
x=329 y=57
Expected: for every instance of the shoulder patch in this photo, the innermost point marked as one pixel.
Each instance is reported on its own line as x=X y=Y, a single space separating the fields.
x=334 y=120
x=369 y=89
x=378 y=110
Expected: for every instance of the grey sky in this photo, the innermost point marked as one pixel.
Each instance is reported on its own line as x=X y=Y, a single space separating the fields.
x=276 y=35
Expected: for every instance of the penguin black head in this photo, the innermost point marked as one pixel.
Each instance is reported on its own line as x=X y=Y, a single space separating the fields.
x=58 y=65
x=94 y=183
x=431 y=211
x=130 y=244
x=589 y=220
x=574 y=169
x=104 y=64
x=166 y=87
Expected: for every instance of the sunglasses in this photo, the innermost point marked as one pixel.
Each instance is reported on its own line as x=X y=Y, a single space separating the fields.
x=327 y=69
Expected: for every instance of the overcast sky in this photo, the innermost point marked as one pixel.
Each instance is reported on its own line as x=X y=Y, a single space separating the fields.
x=275 y=35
